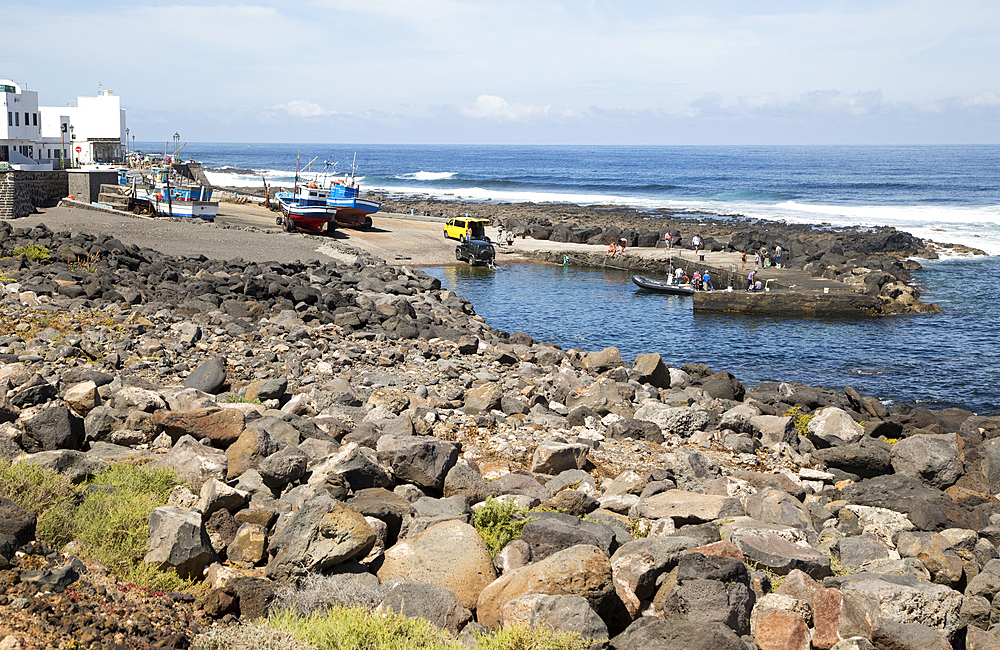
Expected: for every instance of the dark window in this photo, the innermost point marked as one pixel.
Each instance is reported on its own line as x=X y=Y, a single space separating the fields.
x=27 y=119
x=4 y=152
x=17 y=119
x=34 y=119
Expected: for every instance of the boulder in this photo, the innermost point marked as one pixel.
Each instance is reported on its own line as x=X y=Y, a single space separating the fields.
x=673 y=420
x=711 y=589
x=421 y=460
x=866 y=458
x=935 y=459
x=638 y=565
x=178 y=540
x=553 y=456
x=603 y=360
x=834 y=618
x=771 y=550
x=250 y=449
x=635 y=429
x=556 y=613
x=833 y=427
x=53 y=427
x=194 y=462
x=221 y=426
x=283 y=467
x=82 y=397
x=936 y=553
x=687 y=507
x=16 y=523
x=582 y=570
x=216 y=495
x=464 y=479
x=647 y=633
x=209 y=376
x=450 y=554
x=319 y=536
x=928 y=508
x=652 y=370
x=602 y=397
x=248 y=546
x=778 y=507
x=484 y=398
x=781 y=622
x=547 y=533
x=901 y=599
x=430 y=602
x=77 y=466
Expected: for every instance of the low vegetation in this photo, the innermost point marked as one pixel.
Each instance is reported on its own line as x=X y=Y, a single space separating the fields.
x=358 y=628
x=499 y=523
x=800 y=420
x=33 y=252
x=109 y=514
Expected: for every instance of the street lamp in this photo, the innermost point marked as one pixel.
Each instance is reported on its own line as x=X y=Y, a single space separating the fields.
x=72 y=147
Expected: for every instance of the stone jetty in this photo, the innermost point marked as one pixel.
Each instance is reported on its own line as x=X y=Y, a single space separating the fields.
x=673 y=507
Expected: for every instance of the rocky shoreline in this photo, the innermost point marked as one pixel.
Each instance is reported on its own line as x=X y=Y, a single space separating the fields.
x=377 y=410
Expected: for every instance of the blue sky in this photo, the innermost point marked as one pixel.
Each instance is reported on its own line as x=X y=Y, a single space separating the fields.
x=525 y=72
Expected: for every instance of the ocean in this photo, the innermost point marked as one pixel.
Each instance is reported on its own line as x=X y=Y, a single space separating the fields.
x=943 y=193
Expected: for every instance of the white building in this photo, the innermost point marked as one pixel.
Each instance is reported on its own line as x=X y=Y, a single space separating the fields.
x=54 y=137
x=97 y=128
x=21 y=129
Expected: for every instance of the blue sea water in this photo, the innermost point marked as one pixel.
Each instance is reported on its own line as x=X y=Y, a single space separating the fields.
x=942 y=193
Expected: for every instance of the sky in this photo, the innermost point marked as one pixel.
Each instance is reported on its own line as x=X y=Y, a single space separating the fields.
x=523 y=72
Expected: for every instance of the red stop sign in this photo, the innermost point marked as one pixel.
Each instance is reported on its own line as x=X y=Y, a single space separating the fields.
x=79 y=149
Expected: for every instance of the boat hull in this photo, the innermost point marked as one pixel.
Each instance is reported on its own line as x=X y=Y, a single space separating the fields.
x=312 y=218
x=663 y=286
x=206 y=210
x=353 y=211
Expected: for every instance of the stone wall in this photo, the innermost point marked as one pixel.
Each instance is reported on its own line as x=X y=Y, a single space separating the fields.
x=21 y=192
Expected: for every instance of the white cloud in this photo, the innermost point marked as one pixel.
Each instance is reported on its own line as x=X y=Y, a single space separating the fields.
x=497 y=108
x=303 y=108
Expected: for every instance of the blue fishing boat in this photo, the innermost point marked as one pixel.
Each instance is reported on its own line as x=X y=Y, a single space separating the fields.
x=351 y=210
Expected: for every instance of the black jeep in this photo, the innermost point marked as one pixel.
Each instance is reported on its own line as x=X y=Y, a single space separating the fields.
x=475 y=252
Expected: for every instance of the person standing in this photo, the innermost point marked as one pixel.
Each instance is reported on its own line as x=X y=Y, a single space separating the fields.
x=743 y=257
x=756 y=260
x=777 y=255
x=667 y=238
x=750 y=280
x=706 y=280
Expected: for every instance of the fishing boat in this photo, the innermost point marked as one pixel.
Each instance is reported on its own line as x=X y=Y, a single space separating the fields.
x=173 y=196
x=351 y=210
x=306 y=208
x=663 y=286
x=343 y=195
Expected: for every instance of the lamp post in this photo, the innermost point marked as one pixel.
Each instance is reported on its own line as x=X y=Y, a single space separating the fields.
x=72 y=147
x=126 y=142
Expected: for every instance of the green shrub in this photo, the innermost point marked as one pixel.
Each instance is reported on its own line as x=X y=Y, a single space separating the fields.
x=33 y=252
x=233 y=398
x=499 y=523
x=46 y=493
x=800 y=419
x=109 y=514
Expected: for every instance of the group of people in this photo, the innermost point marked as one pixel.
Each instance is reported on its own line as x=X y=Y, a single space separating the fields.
x=616 y=247
x=700 y=281
x=761 y=259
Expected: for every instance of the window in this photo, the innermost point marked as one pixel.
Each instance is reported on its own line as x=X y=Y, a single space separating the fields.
x=27 y=119
x=5 y=88
x=4 y=152
x=34 y=119
x=17 y=119
x=10 y=119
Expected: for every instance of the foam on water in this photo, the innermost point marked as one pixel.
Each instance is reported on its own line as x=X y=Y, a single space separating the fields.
x=428 y=176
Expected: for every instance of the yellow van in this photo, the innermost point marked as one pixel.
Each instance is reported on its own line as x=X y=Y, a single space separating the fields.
x=457 y=227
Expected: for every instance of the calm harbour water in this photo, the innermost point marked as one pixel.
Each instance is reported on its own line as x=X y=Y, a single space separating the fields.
x=950 y=359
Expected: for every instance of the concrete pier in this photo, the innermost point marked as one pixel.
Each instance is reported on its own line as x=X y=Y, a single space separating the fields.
x=840 y=304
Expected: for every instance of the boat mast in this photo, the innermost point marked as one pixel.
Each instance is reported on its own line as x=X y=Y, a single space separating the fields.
x=295 y=190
